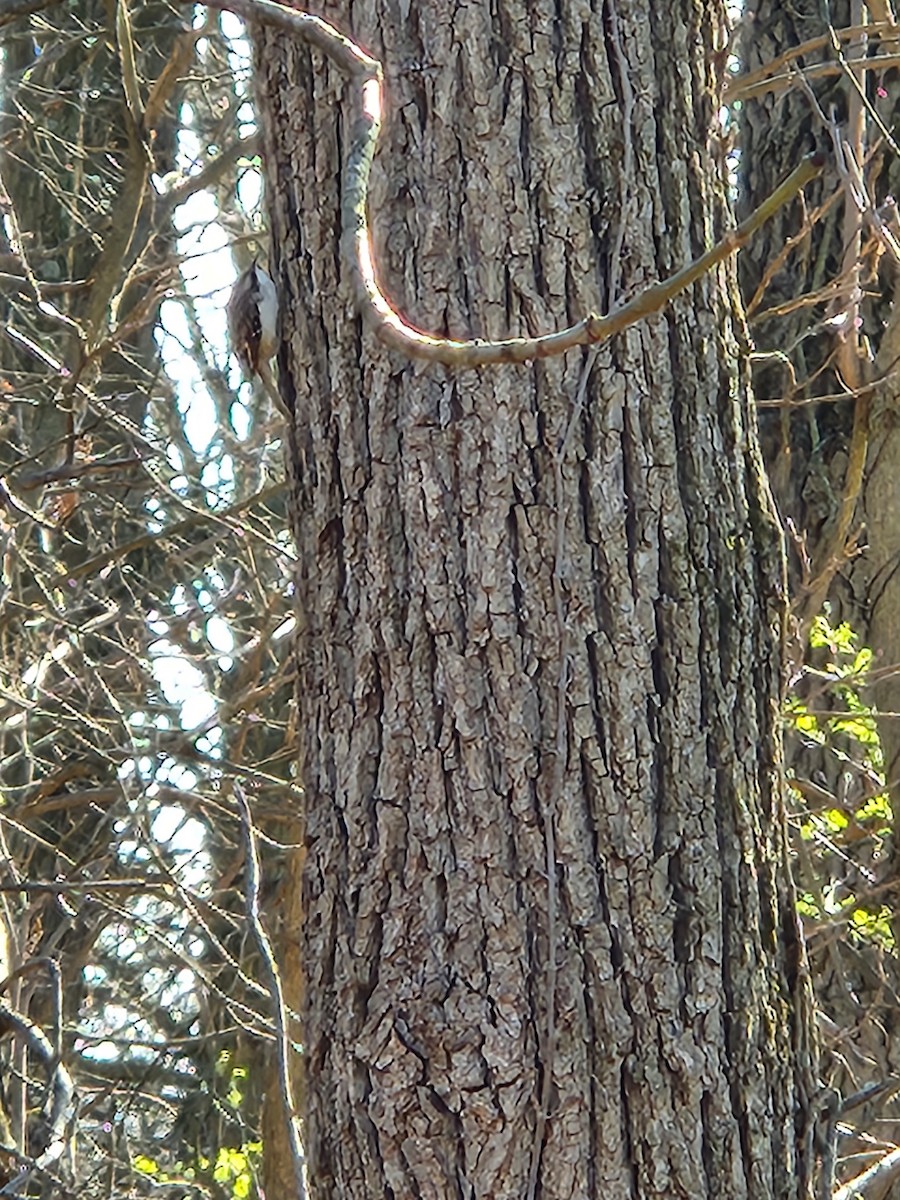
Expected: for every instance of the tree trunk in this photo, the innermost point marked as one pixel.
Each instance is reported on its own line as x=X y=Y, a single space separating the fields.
x=549 y=936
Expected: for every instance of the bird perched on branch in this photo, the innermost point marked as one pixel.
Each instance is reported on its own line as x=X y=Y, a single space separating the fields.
x=252 y=313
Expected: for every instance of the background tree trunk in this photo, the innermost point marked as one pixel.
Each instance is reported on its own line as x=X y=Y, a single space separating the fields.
x=816 y=452
x=811 y=448
x=549 y=934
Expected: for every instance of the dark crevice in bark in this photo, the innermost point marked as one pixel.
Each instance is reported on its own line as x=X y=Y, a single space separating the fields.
x=628 y=487
x=631 y=1156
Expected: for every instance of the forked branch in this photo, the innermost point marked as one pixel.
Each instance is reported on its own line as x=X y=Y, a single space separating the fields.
x=378 y=312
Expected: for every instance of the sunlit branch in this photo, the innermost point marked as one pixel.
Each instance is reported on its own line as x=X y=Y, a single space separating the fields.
x=378 y=312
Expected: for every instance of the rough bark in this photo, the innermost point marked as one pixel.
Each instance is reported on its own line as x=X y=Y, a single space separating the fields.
x=515 y=655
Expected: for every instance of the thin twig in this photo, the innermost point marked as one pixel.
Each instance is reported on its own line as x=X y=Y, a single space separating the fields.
x=743 y=86
x=224 y=516
x=130 y=84
x=273 y=976
x=787 y=81
x=849 y=155
x=561 y=750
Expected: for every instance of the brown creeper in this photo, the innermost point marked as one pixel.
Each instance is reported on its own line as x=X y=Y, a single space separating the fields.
x=252 y=313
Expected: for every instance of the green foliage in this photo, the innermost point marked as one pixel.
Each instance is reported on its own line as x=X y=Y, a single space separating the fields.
x=234 y=1169
x=845 y=669
x=237 y=1169
x=234 y=1078
x=843 y=823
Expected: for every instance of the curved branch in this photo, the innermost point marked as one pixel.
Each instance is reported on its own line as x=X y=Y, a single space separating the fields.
x=60 y=1104
x=378 y=312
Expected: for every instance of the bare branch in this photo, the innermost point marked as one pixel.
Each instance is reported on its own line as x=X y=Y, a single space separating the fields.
x=130 y=84
x=378 y=312
x=62 y=1089
x=874 y=1183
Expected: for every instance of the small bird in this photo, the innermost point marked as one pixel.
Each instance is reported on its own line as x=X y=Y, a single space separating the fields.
x=252 y=312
